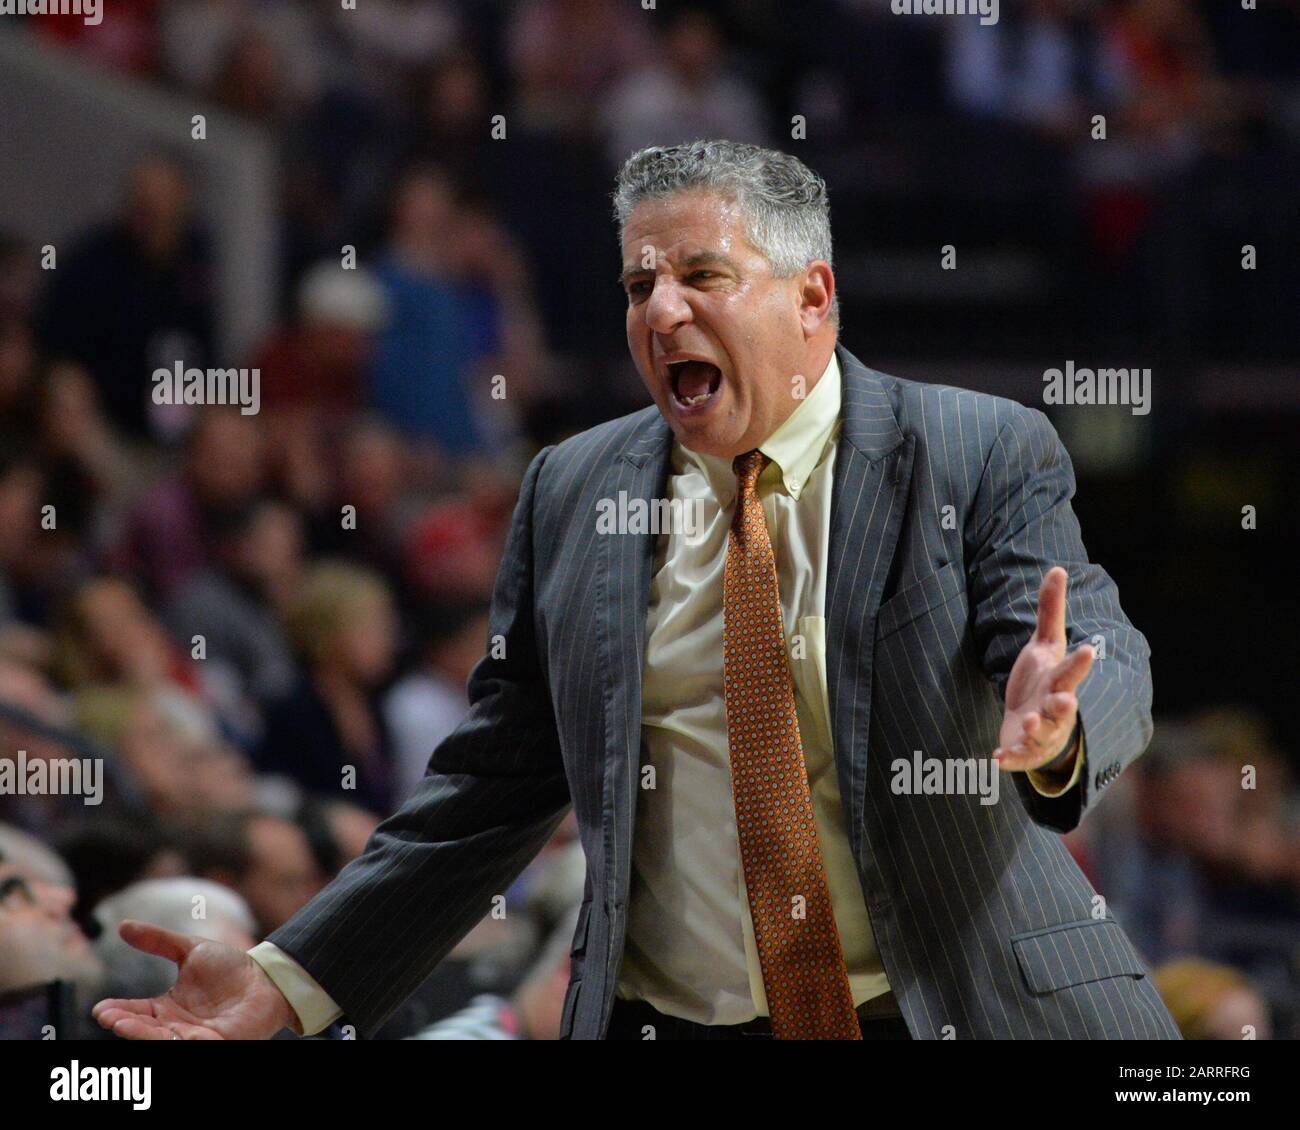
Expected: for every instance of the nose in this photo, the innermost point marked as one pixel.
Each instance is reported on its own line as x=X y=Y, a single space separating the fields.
x=666 y=308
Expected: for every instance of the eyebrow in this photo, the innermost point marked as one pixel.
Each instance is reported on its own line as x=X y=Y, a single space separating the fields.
x=695 y=259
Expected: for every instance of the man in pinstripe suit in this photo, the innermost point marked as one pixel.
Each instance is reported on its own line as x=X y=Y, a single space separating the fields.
x=909 y=547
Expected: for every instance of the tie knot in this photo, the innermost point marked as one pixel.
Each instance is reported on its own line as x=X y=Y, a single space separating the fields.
x=748 y=467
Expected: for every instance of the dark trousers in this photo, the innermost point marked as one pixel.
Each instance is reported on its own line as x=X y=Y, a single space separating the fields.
x=630 y=1019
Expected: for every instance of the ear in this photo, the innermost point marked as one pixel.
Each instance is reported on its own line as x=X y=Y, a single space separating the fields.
x=816 y=292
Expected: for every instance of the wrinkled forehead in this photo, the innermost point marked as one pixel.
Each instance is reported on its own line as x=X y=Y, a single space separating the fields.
x=685 y=223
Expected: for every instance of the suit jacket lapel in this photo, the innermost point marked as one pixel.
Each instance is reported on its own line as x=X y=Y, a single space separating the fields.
x=873 y=471
x=626 y=562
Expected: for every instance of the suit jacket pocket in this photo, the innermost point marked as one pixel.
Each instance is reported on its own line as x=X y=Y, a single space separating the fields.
x=917 y=599
x=1075 y=953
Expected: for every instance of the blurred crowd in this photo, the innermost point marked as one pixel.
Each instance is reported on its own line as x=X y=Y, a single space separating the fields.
x=930 y=132
x=1196 y=851
x=263 y=624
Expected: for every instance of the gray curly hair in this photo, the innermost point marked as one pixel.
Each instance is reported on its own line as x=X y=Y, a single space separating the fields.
x=787 y=213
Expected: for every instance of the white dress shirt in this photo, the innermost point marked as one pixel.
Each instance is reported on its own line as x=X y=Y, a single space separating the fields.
x=690 y=941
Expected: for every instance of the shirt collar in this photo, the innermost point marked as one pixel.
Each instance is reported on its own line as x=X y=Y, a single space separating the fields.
x=795 y=448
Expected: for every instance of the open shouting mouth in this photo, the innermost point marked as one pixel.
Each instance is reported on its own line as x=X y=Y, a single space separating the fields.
x=693 y=380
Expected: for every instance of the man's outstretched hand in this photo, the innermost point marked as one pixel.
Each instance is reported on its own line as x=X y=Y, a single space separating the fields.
x=1041 y=707
x=220 y=993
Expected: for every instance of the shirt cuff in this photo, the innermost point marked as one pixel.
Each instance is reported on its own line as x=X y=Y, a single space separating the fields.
x=1049 y=784
x=315 y=1008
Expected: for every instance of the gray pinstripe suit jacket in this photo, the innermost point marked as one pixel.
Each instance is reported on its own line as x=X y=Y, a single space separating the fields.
x=985 y=925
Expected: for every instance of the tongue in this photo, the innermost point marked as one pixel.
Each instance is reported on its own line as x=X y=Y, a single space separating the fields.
x=695 y=377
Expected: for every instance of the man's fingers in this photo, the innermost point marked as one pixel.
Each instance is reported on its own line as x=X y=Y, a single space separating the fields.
x=108 y=1010
x=1012 y=759
x=127 y=1016
x=107 y=1017
x=1020 y=758
x=133 y=1026
x=1051 y=606
x=1025 y=755
x=1060 y=707
x=156 y=940
x=138 y=1028
x=1070 y=672
x=195 y=1032
x=1043 y=733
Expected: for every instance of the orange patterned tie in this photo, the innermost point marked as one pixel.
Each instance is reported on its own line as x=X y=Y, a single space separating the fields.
x=807 y=985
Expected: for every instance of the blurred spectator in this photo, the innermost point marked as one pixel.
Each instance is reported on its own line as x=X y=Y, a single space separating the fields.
x=35 y=720
x=451 y=550
x=447 y=126
x=235 y=605
x=553 y=883
x=1048 y=65
x=25 y=855
x=27 y=689
x=90 y=471
x=250 y=80
x=200 y=38
x=327 y=733
x=1265 y=846
x=170 y=748
x=134 y=295
x=1151 y=876
x=1197 y=853
x=39 y=941
x=127 y=41
x=454 y=285
x=686 y=91
x=428 y=703
x=387 y=37
x=22 y=487
x=62 y=481
x=318 y=363
x=20 y=277
x=337 y=831
x=490 y=264
x=186 y=905
x=532 y=1012
x=1212 y=1002
x=1148 y=193
x=107 y=635
x=168 y=533
x=366 y=512
x=265 y=859
x=108 y=853
x=17 y=370
x=565 y=55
